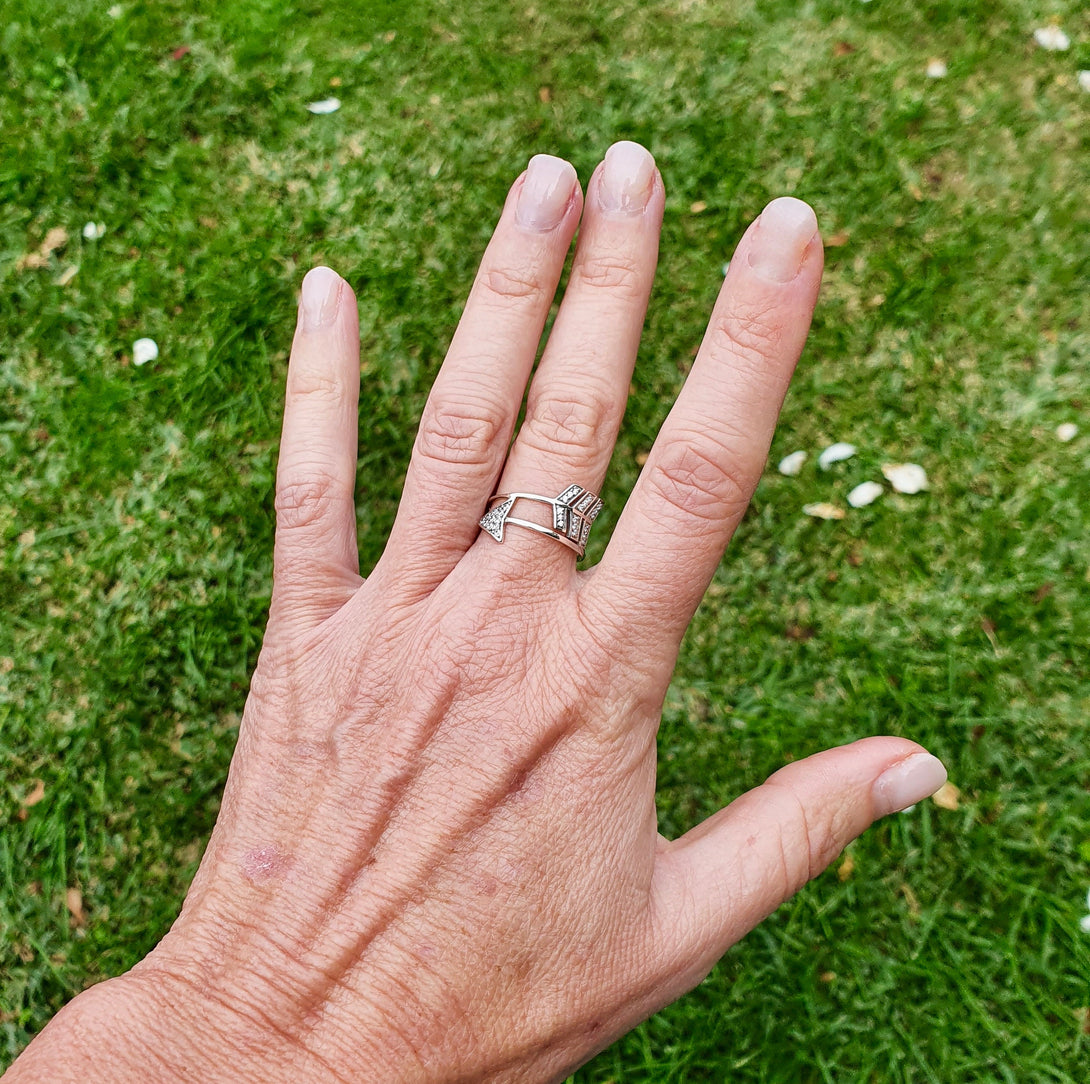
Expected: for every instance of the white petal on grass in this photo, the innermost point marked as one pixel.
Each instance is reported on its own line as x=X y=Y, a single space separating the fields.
x=726 y=266
x=1088 y=899
x=326 y=105
x=116 y=11
x=936 y=68
x=94 y=230
x=1084 y=80
x=1084 y=923
x=144 y=350
x=792 y=464
x=1067 y=431
x=865 y=493
x=905 y=477
x=909 y=808
x=835 y=453
x=823 y=510
x=1052 y=38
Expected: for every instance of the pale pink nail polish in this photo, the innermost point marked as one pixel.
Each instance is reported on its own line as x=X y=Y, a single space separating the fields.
x=321 y=298
x=627 y=179
x=546 y=193
x=782 y=235
x=907 y=782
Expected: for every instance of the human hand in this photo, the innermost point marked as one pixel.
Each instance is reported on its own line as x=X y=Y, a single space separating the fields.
x=437 y=857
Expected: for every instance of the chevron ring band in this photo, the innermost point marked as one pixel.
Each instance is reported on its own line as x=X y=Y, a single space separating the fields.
x=573 y=513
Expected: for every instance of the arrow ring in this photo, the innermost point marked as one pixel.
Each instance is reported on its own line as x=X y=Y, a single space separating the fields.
x=573 y=513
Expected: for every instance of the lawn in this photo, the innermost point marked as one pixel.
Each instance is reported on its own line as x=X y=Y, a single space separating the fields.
x=953 y=332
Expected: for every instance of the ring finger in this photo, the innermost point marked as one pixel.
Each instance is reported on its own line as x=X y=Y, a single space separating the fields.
x=578 y=394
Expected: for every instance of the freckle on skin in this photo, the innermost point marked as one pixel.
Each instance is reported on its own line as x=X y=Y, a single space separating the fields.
x=264 y=864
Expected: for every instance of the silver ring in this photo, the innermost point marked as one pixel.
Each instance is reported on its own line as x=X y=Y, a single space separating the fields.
x=573 y=513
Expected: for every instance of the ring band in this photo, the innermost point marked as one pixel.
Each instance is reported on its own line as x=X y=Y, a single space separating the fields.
x=573 y=513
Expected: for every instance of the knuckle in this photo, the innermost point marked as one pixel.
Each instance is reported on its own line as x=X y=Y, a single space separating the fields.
x=304 y=502
x=476 y=645
x=598 y=658
x=737 y=331
x=315 y=384
x=459 y=433
x=511 y=283
x=615 y=272
x=576 y=421
x=808 y=843
x=693 y=477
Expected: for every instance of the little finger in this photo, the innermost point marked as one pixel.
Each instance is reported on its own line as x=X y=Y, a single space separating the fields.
x=316 y=560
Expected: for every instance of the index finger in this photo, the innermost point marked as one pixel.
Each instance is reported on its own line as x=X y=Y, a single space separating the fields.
x=711 y=450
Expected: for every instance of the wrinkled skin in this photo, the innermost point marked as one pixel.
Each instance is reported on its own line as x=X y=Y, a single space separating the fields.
x=437 y=857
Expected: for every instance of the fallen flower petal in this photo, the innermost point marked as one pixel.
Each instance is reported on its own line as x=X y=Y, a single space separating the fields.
x=1067 y=431
x=1084 y=80
x=946 y=797
x=55 y=238
x=92 y=231
x=823 y=510
x=912 y=900
x=73 y=900
x=905 y=477
x=144 y=350
x=1052 y=38
x=835 y=453
x=1084 y=923
x=35 y=794
x=326 y=105
x=936 y=68
x=792 y=464
x=865 y=493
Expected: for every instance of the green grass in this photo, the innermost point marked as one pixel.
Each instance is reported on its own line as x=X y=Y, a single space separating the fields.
x=954 y=331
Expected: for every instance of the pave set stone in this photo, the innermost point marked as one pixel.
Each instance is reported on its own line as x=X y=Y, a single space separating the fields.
x=494 y=519
x=574 y=510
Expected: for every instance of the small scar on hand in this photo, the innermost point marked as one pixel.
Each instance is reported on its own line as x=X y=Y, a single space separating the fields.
x=264 y=865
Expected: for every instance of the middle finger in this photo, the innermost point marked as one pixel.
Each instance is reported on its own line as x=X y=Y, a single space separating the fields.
x=578 y=394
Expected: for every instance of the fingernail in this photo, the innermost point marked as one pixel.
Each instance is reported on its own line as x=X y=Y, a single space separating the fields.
x=907 y=782
x=546 y=193
x=321 y=298
x=628 y=176
x=783 y=234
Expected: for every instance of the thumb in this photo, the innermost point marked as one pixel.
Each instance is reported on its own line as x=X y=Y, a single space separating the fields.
x=719 y=880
